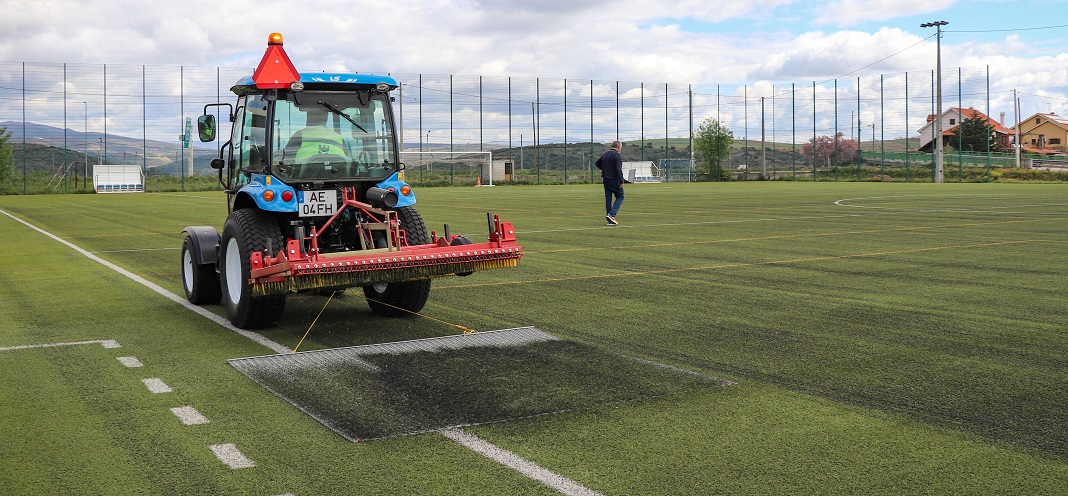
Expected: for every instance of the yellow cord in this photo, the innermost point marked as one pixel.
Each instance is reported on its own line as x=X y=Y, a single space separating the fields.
x=332 y=293
x=466 y=330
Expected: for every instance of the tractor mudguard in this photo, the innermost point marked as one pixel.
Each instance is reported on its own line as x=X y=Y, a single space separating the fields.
x=258 y=187
x=205 y=243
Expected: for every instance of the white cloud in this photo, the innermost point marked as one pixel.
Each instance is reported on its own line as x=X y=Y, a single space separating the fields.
x=849 y=12
x=818 y=55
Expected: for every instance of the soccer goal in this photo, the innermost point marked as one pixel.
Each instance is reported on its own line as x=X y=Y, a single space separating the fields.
x=452 y=168
x=677 y=170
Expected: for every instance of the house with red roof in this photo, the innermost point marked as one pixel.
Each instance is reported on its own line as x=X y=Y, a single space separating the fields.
x=1044 y=133
x=951 y=119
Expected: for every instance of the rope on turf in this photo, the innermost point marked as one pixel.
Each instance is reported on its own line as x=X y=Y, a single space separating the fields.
x=332 y=293
x=466 y=330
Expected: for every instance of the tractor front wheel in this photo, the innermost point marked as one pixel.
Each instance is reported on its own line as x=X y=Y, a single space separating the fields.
x=246 y=231
x=200 y=281
x=401 y=299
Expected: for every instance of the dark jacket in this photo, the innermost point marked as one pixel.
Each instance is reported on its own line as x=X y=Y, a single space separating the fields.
x=611 y=165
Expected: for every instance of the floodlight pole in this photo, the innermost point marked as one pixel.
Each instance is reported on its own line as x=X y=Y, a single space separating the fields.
x=85 y=146
x=763 y=146
x=939 y=164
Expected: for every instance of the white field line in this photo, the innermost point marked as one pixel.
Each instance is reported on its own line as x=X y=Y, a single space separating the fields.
x=137 y=250
x=189 y=415
x=156 y=385
x=839 y=203
x=701 y=223
x=514 y=462
x=107 y=343
x=844 y=202
x=276 y=347
x=130 y=362
x=182 y=195
x=229 y=454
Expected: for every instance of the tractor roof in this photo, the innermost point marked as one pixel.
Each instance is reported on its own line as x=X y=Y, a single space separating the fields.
x=324 y=81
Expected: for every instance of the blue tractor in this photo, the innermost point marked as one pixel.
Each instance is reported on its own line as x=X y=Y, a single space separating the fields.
x=318 y=202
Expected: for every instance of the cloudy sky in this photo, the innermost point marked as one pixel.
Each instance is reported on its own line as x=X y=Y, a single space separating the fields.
x=679 y=41
x=682 y=41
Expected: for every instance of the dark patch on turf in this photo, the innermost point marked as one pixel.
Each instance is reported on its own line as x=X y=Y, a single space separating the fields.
x=369 y=392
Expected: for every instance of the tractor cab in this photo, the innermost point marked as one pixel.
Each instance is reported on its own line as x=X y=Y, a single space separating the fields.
x=317 y=131
x=334 y=132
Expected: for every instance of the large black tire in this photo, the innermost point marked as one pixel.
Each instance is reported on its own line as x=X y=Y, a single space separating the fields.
x=201 y=282
x=461 y=241
x=246 y=231
x=402 y=299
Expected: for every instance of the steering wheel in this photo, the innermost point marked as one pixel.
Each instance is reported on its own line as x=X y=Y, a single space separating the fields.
x=324 y=166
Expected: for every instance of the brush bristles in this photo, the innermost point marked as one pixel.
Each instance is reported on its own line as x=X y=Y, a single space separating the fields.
x=293 y=284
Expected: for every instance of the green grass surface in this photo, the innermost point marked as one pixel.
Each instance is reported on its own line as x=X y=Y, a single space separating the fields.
x=909 y=339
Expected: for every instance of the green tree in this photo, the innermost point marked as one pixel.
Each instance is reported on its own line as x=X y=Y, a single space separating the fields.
x=974 y=134
x=5 y=155
x=712 y=142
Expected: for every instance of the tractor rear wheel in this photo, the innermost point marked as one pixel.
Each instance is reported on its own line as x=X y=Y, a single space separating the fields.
x=401 y=299
x=201 y=282
x=246 y=231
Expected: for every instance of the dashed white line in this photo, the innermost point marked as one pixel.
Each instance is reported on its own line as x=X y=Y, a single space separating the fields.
x=130 y=362
x=231 y=456
x=156 y=385
x=106 y=343
x=189 y=415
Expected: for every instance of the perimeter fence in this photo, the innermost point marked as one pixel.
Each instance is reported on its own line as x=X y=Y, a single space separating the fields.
x=552 y=129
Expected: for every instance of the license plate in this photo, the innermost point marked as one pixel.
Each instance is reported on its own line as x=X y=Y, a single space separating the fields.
x=317 y=203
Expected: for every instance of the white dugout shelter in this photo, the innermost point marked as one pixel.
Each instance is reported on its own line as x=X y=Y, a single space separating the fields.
x=118 y=179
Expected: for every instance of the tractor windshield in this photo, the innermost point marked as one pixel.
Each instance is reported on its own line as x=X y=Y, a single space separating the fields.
x=333 y=136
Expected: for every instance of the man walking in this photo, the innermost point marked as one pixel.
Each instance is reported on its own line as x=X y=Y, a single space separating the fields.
x=611 y=165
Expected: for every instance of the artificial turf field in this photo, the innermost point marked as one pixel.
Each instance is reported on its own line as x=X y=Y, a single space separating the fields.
x=884 y=339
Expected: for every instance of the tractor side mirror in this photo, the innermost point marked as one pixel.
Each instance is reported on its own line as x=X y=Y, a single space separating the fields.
x=206 y=127
x=217 y=163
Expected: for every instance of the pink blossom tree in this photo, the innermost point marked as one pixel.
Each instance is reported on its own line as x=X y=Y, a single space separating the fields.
x=828 y=149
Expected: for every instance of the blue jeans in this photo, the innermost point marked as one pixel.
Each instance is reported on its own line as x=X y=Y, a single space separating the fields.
x=612 y=188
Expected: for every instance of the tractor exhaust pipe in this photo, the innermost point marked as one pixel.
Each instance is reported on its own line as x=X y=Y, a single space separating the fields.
x=381 y=198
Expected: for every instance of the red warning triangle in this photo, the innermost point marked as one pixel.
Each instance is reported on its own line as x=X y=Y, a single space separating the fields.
x=275 y=70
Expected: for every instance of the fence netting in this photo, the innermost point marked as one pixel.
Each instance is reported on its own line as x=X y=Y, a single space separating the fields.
x=550 y=129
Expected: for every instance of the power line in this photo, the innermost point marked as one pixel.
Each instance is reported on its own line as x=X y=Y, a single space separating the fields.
x=1006 y=30
x=886 y=57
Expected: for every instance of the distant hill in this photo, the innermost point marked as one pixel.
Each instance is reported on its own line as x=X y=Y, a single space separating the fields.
x=45 y=149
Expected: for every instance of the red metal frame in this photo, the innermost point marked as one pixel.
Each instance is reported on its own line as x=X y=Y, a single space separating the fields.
x=298 y=261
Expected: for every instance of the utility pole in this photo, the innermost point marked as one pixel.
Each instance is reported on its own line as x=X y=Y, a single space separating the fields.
x=939 y=164
x=1016 y=143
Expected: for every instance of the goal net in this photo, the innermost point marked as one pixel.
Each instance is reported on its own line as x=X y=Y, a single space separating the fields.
x=451 y=168
x=677 y=170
